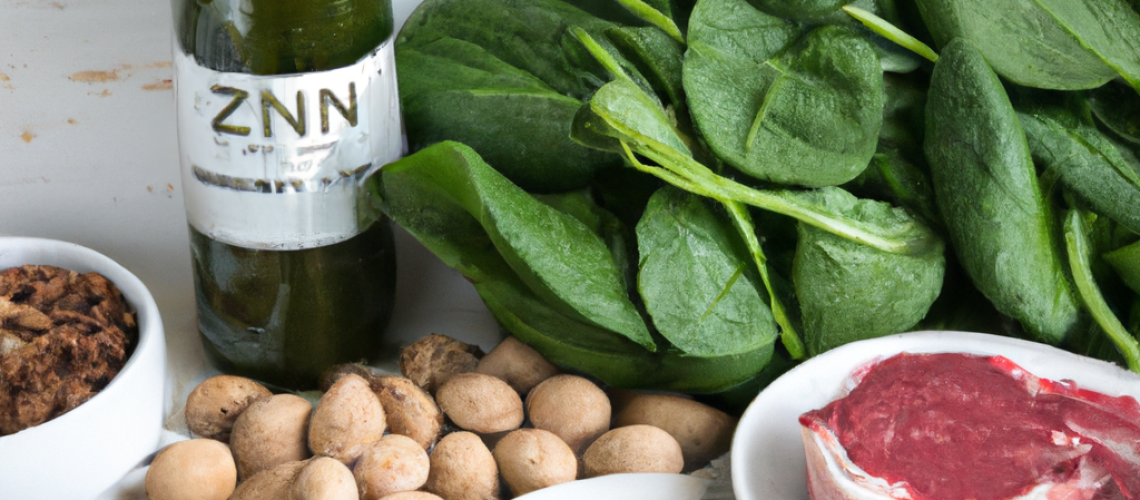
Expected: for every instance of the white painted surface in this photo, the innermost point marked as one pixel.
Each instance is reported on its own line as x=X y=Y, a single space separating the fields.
x=88 y=154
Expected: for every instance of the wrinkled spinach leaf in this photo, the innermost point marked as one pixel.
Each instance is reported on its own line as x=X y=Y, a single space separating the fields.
x=809 y=116
x=1086 y=162
x=800 y=10
x=986 y=189
x=617 y=237
x=848 y=291
x=695 y=279
x=479 y=102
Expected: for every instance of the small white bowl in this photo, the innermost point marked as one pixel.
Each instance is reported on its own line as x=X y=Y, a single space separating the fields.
x=767 y=451
x=81 y=453
x=656 y=486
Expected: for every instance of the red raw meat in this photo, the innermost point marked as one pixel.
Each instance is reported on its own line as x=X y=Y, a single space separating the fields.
x=965 y=427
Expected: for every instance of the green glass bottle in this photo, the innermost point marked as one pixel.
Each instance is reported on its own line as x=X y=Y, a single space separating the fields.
x=285 y=107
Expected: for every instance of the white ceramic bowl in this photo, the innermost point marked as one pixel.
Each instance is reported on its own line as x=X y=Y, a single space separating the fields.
x=767 y=452
x=625 y=487
x=84 y=451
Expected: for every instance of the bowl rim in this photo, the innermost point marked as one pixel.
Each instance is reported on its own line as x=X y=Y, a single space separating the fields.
x=134 y=291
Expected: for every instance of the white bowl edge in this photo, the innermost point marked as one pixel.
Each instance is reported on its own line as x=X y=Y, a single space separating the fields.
x=767 y=452
x=83 y=452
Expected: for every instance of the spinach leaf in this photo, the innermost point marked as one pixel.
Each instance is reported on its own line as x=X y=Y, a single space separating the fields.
x=1118 y=108
x=1086 y=161
x=695 y=279
x=986 y=189
x=617 y=237
x=785 y=310
x=1126 y=261
x=469 y=70
x=560 y=259
x=451 y=89
x=582 y=347
x=656 y=56
x=1078 y=245
x=1056 y=44
x=809 y=117
x=850 y=292
x=419 y=193
x=527 y=34
x=800 y=10
x=621 y=116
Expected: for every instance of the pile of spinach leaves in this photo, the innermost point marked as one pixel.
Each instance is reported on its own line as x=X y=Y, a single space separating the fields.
x=696 y=195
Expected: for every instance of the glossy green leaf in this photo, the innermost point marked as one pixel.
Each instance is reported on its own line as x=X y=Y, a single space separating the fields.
x=620 y=115
x=469 y=70
x=479 y=101
x=1055 y=44
x=420 y=193
x=657 y=56
x=695 y=278
x=986 y=189
x=809 y=116
x=558 y=257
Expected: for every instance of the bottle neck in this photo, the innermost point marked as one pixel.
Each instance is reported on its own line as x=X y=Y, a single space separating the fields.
x=274 y=37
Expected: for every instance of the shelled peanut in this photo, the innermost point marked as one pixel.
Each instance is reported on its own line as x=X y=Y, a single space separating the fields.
x=460 y=426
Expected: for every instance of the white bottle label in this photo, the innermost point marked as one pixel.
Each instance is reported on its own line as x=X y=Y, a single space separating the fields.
x=279 y=162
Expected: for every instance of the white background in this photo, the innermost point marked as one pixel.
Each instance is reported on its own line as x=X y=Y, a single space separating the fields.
x=88 y=154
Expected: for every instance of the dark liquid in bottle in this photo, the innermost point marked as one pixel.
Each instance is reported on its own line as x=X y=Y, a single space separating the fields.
x=283 y=317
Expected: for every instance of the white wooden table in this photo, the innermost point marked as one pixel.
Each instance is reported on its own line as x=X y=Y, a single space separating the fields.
x=88 y=154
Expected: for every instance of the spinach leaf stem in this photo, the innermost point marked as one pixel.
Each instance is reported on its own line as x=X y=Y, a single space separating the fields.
x=891 y=32
x=1076 y=242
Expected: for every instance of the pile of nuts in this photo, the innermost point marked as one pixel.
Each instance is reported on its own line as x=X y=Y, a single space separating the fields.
x=457 y=426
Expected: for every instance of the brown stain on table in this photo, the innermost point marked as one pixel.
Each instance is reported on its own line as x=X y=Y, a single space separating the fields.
x=165 y=84
x=94 y=76
x=27 y=136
